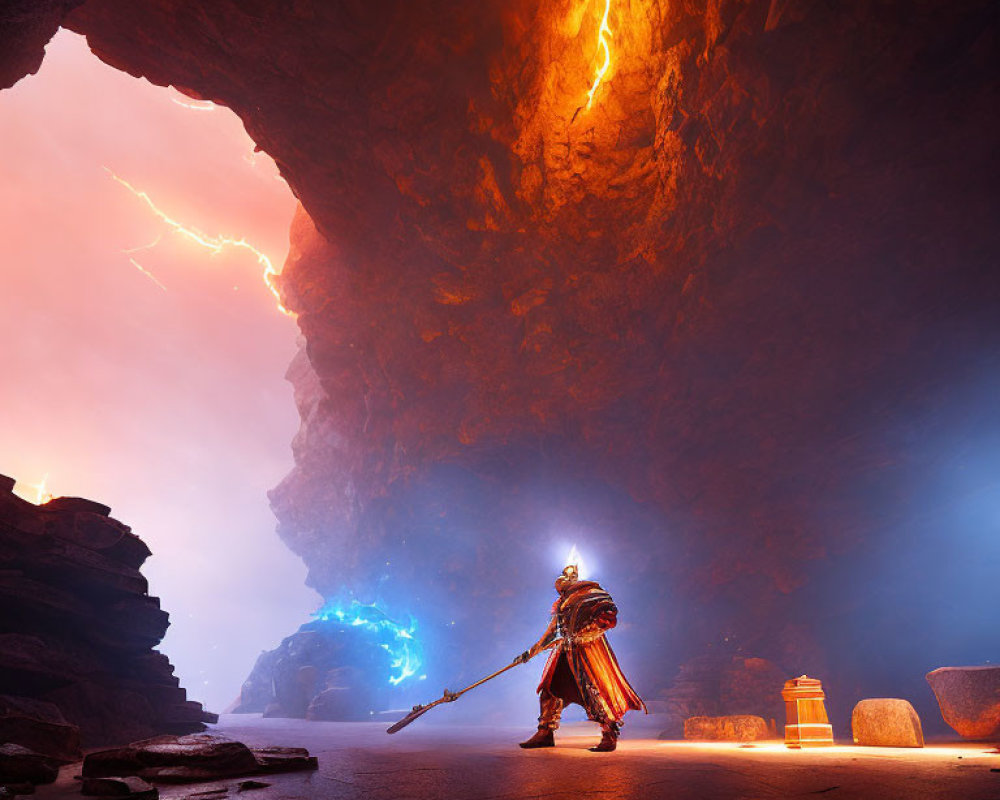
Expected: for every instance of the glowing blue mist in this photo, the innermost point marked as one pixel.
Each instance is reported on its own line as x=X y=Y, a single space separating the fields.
x=405 y=650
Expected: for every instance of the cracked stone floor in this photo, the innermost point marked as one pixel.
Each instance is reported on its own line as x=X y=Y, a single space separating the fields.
x=358 y=761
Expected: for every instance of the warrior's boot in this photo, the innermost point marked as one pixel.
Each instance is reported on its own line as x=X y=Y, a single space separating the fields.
x=609 y=741
x=543 y=738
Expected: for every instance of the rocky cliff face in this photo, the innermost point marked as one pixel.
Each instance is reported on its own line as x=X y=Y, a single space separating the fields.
x=680 y=321
x=77 y=632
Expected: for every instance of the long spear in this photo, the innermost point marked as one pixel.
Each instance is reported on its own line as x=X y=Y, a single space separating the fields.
x=451 y=697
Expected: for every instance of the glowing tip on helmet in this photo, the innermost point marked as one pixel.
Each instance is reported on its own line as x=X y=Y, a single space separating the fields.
x=575 y=559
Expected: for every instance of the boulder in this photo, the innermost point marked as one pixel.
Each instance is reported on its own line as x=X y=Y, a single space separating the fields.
x=284 y=759
x=196 y=757
x=19 y=764
x=174 y=759
x=736 y=728
x=323 y=654
x=128 y=786
x=39 y=726
x=886 y=722
x=969 y=698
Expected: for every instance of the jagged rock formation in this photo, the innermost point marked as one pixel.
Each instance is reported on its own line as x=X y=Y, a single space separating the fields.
x=696 y=321
x=323 y=671
x=77 y=632
x=25 y=28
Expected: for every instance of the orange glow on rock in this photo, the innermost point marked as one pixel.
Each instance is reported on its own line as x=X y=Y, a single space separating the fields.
x=37 y=493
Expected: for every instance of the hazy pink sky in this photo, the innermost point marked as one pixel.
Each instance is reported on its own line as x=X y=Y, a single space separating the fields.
x=168 y=405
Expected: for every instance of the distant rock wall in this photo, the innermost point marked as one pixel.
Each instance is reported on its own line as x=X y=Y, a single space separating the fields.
x=77 y=632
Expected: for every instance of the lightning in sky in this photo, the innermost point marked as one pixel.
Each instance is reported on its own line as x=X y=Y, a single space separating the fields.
x=139 y=266
x=603 y=34
x=146 y=272
x=193 y=106
x=214 y=244
x=149 y=246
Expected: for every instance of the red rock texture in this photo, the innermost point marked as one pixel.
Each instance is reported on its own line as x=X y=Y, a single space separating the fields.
x=77 y=631
x=682 y=318
x=25 y=28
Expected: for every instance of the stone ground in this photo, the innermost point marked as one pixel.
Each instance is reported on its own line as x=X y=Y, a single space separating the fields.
x=427 y=761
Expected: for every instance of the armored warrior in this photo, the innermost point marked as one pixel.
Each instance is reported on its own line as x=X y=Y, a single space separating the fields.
x=581 y=668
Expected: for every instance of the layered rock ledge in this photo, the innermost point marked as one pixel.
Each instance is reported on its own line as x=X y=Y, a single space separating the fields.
x=78 y=631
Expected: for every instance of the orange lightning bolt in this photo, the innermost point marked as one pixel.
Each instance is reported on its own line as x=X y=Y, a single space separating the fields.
x=214 y=244
x=603 y=34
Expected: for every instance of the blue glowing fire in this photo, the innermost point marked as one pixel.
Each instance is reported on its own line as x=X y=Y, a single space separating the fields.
x=405 y=650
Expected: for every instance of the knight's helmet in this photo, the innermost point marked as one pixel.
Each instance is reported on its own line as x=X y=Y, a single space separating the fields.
x=570 y=575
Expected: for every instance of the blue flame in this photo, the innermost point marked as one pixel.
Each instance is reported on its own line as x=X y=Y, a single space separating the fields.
x=405 y=650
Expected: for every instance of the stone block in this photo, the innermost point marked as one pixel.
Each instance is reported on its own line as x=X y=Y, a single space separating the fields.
x=736 y=728
x=886 y=722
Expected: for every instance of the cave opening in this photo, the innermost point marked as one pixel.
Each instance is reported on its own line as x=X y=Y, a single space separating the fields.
x=705 y=295
x=148 y=366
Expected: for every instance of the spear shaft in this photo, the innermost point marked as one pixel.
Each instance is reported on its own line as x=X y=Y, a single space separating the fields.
x=451 y=697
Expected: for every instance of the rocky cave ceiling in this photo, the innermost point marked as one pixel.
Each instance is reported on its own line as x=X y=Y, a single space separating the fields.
x=691 y=311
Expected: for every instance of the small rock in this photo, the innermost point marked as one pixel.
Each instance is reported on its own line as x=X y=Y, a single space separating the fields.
x=886 y=722
x=284 y=759
x=129 y=787
x=737 y=728
x=246 y=786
